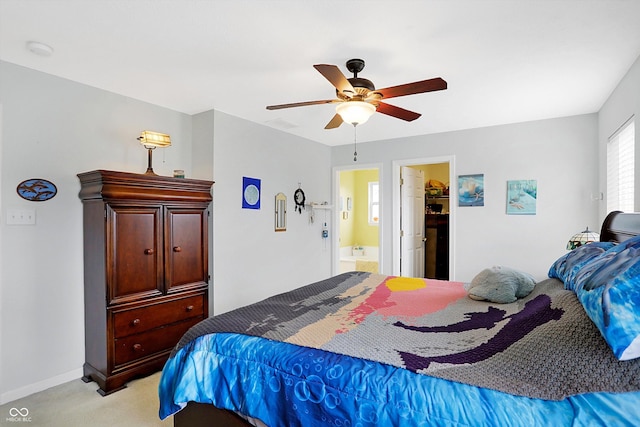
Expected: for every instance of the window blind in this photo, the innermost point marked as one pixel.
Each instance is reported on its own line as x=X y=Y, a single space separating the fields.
x=620 y=169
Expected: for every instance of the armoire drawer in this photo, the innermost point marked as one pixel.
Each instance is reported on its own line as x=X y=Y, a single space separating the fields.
x=138 y=346
x=142 y=319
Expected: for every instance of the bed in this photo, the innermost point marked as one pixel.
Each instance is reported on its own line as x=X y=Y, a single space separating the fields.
x=363 y=349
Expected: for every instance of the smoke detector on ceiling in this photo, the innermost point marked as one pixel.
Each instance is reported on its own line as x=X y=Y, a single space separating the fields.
x=39 y=49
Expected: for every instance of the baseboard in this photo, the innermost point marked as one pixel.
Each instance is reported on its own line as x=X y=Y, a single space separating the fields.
x=40 y=386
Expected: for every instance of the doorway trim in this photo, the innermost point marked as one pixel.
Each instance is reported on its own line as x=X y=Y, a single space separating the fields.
x=335 y=263
x=395 y=206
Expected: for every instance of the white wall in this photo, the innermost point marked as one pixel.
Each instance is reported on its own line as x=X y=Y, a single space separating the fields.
x=623 y=103
x=560 y=153
x=251 y=260
x=202 y=144
x=53 y=129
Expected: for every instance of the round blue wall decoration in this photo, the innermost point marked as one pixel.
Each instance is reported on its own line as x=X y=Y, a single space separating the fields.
x=250 y=193
x=36 y=189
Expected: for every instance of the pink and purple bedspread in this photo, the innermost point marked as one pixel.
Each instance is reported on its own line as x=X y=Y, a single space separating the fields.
x=364 y=349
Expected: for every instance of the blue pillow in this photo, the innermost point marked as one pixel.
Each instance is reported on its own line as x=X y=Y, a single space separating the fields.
x=566 y=265
x=611 y=298
x=608 y=286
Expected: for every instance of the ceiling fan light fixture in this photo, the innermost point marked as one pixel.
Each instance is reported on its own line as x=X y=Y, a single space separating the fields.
x=355 y=112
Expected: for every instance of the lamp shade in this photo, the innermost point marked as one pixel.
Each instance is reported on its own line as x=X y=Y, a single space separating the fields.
x=582 y=238
x=355 y=112
x=154 y=139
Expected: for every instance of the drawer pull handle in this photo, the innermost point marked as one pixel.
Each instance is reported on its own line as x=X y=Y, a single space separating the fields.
x=177 y=249
x=137 y=347
x=149 y=251
x=135 y=322
x=189 y=308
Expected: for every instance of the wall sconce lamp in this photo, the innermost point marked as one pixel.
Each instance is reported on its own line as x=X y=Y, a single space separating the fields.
x=582 y=238
x=152 y=140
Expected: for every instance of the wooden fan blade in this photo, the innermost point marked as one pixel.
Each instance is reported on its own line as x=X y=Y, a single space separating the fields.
x=335 y=122
x=430 y=85
x=336 y=78
x=302 y=104
x=397 y=112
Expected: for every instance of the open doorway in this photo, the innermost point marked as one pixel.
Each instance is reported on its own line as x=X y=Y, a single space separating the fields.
x=423 y=236
x=358 y=219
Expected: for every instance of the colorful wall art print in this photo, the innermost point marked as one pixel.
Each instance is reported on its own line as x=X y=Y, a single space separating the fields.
x=522 y=196
x=471 y=190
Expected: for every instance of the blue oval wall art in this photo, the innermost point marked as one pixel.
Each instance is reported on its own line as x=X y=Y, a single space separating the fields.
x=36 y=189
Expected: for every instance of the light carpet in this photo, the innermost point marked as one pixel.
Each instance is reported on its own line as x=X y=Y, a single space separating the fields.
x=78 y=404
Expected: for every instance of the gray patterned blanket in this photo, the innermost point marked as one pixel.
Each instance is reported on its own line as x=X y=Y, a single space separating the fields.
x=542 y=346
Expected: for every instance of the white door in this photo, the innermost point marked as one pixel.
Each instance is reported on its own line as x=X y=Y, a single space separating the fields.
x=411 y=222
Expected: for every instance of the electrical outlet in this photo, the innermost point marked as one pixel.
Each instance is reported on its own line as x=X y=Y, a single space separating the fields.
x=21 y=217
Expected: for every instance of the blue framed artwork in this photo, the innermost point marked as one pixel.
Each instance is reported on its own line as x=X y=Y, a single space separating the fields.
x=37 y=190
x=250 y=193
x=522 y=196
x=471 y=190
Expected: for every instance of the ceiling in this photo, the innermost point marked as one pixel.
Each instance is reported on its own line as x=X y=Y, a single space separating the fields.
x=505 y=61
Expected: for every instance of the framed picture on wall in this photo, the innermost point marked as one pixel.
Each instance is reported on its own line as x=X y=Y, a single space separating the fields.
x=471 y=190
x=522 y=196
x=250 y=193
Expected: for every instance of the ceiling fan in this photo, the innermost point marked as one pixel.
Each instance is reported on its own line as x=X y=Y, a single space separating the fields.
x=358 y=98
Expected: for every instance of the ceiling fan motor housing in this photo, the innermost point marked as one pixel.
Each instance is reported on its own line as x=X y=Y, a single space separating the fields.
x=355 y=66
x=358 y=82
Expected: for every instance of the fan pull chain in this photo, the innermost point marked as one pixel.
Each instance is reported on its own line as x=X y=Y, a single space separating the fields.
x=355 y=153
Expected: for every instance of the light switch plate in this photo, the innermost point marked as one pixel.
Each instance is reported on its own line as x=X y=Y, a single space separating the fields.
x=21 y=217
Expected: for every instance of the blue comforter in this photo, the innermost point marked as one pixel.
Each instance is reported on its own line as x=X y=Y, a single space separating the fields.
x=287 y=385
x=238 y=361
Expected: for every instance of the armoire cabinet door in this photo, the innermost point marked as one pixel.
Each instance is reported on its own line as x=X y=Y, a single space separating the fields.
x=134 y=256
x=185 y=248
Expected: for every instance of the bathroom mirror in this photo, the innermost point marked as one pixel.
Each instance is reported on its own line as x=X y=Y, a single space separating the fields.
x=281 y=212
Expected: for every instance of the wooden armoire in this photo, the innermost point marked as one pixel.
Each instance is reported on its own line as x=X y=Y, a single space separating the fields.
x=146 y=275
